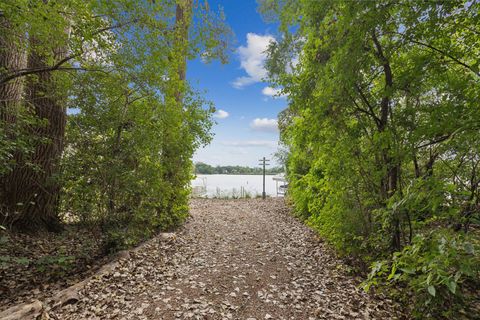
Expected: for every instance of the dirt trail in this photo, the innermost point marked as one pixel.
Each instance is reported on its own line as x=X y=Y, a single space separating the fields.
x=234 y=259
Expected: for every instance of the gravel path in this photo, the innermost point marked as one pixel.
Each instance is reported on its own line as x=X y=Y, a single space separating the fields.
x=233 y=259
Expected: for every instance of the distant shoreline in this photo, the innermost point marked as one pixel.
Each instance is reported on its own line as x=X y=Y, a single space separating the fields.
x=203 y=168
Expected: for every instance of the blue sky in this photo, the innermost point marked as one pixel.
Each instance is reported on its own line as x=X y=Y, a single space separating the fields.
x=246 y=115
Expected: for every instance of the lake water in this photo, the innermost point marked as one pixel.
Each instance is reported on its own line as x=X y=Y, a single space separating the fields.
x=222 y=185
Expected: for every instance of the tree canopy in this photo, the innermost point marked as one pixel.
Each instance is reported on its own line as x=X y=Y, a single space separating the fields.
x=98 y=122
x=382 y=129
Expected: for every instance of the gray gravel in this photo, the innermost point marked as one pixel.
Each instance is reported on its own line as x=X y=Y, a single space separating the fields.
x=233 y=259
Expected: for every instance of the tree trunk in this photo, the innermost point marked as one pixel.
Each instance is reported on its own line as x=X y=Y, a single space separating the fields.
x=12 y=57
x=182 y=24
x=172 y=156
x=116 y=149
x=33 y=190
x=391 y=177
x=390 y=180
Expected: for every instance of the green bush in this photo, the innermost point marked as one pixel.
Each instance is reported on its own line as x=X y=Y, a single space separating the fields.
x=382 y=136
x=439 y=268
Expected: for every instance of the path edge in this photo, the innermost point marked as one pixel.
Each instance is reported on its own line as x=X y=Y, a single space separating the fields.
x=38 y=310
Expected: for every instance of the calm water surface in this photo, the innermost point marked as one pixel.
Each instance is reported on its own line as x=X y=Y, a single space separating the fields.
x=228 y=185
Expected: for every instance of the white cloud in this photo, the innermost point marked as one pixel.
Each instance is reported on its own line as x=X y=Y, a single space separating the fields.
x=241 y=82
x=264 y=124
x=252 y=59
x=221 y=114
x=250 y=143
x=273 y=92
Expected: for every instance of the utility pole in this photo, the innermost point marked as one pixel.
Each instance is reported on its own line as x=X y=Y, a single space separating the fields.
x=264 y=163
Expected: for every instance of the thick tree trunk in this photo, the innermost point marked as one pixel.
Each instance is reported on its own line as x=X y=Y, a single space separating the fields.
x=42 y=185
x=33 y=191
x=12 y=57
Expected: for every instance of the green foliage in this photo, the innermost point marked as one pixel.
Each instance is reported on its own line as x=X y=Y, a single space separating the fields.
x=127 y=164
x=436 y=266
x=203 y=168
x=382 y=132
x=133 y=122
x=56 y=265
x=113 y=172
x=6 y=261
x=15 y=139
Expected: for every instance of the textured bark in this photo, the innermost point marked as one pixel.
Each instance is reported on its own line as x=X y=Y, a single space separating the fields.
x=12 y=57
x=40 y=190
x=35 y=187
x=27 y=311
x=182 y=24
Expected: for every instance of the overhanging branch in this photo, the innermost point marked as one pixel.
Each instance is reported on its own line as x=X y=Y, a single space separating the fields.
x=57 y=66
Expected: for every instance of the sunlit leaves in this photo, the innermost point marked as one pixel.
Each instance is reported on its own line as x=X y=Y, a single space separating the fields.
x=392 y=159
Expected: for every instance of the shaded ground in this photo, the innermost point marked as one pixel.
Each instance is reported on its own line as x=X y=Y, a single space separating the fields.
x=234 y=259
x=36 y=266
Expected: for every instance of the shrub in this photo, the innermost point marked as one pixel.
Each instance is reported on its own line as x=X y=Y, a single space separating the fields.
x=441 y=268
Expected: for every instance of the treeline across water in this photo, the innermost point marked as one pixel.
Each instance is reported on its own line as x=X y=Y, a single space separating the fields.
x=203 y=168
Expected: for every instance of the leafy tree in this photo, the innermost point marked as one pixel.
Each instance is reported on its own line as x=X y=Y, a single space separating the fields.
x=123 y=159
x=381 y=125
x=30 y=190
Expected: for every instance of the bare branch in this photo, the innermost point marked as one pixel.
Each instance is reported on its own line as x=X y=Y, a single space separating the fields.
x=57 y=66
x=25 y=72
x=367 y=103
x=435 y=141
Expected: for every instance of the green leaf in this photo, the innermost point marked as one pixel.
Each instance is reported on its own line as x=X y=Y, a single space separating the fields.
x=457 y=276
x=431 y=290
x=452 y=286
x=469 y=248
x=408 y=270
x=23 y=261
